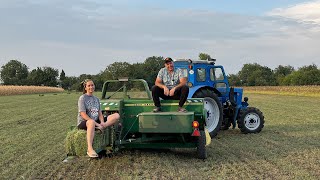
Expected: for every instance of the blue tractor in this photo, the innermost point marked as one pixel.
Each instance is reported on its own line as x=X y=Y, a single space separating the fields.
x=206 y=79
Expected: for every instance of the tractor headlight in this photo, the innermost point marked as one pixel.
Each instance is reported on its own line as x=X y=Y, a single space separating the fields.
x=189 y=84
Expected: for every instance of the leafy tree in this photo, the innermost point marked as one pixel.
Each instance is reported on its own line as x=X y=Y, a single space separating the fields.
x=256 y=75
x=71 y=83
x=51 y=76
x=204 y=56
x=306 y=75
x=36 y=77
x=137 y=71
x=281 y=72
x=46 y=76
x=151 y=67
x=62 y=75
x=234 y=80
x=14 y=73
x=77 y=86
x=117 y=70
x=83 y=77
x=62 y=79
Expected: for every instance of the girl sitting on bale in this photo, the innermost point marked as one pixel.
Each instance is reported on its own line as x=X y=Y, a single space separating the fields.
x=90 y=116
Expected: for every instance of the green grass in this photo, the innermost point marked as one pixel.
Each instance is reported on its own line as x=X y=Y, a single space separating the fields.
x=33 y=129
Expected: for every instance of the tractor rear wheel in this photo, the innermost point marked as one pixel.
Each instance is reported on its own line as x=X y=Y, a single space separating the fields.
x=251 y=120
x=214 y=110
x=201 y=146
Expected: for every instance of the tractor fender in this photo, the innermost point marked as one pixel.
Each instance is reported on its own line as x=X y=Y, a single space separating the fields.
x=194 y=89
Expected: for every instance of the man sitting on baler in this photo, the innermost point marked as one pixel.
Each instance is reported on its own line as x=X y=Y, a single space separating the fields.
x=170 y=84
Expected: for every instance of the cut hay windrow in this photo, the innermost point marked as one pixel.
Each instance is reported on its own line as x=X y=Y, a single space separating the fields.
x=19 y=90
x=311 y=91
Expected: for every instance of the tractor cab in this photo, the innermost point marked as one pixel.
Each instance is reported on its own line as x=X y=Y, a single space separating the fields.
x=202 y=73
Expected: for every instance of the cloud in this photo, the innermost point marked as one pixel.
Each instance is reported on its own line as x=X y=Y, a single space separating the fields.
x=307 y=12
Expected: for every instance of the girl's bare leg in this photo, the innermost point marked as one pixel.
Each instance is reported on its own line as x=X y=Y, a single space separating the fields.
x=111 y=120
x=90 y=135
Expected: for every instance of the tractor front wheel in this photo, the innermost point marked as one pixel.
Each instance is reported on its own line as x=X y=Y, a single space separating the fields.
x=201 y=146
x=214 y=110
x=251 y=120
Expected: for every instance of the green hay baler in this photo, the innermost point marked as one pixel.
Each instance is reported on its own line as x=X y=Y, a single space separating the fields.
x=139 y=127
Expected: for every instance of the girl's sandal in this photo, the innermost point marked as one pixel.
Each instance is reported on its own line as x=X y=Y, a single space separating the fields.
x=93 y=155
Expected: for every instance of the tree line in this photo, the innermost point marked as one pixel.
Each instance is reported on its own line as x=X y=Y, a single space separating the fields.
x=257 y=75
x=16 y=73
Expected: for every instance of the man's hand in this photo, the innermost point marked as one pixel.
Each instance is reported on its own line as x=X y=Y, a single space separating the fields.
x=171 y=93
x=166 y=91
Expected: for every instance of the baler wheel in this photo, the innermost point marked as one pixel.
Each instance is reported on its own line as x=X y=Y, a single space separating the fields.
x=201 y=146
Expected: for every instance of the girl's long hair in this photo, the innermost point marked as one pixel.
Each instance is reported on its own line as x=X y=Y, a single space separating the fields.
x=84 y=84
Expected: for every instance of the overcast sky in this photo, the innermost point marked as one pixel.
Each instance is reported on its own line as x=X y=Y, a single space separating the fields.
x=85 y=36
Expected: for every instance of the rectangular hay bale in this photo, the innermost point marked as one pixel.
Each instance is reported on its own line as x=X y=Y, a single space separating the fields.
x=76 y=142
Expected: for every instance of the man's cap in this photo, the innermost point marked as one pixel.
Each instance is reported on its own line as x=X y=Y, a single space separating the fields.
x=166 y=60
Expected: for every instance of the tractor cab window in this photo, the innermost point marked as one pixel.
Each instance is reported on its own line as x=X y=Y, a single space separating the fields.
x=216 y=74
x=201 y=74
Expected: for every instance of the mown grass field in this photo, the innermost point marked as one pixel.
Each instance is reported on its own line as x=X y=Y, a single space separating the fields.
x=33 y=129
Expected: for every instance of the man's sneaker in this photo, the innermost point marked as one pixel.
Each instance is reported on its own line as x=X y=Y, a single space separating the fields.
x=181 y=109
x=157 y=109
